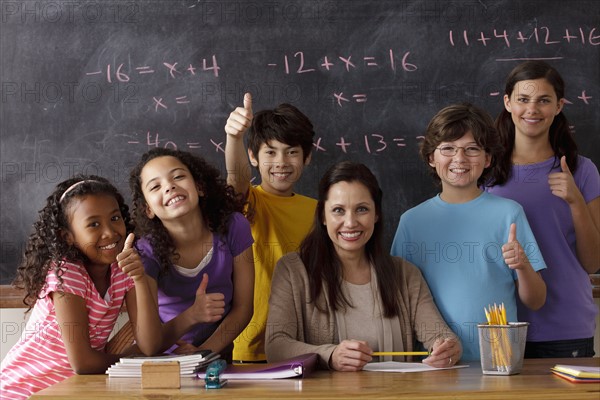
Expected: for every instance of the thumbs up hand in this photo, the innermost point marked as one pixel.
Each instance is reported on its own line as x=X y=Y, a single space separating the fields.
x=208 y=307
x=563 y=185
x=240 y=119
x=512 y=251
x=130 y=261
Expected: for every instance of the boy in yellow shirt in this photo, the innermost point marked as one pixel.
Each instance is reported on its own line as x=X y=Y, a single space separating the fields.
x=280 y=142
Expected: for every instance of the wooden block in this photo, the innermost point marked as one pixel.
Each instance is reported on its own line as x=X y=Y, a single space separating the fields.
x=161 y=375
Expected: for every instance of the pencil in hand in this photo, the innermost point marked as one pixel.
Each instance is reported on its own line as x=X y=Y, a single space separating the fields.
x=400 y=353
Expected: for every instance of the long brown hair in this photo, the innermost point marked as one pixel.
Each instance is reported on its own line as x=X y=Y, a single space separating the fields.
x=560 y=135
x=318 y=254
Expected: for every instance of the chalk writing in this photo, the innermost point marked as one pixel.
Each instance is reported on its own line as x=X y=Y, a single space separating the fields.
x=159 y=102
x=218 y=146
x=584 y=98
x=372 y=143
x=399 y=142
x=172 y=68
x=358 y=98
x=342 y=143
x=540 y=35
x=156 y=142
x=318 y=146
x=344 y=62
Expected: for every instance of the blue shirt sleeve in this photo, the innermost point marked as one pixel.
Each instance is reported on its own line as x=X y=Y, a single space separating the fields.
x=397 y=242
x=527 y=239
x=401 y=246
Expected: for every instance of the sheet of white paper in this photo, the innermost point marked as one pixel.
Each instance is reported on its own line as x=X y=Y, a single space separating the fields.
x=396 y=366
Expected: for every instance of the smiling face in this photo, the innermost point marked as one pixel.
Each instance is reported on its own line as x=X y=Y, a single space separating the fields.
x=350 y=216
x=533 y=105
x=459 y=173
x=96 y=228
x=169 y=189
x=280 y=166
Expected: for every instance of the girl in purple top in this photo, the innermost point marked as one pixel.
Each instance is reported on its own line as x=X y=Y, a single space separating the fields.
x=197 y=247
x=560 y=192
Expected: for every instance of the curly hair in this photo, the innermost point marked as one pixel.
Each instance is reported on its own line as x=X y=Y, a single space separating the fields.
x=46 y=247
x=453 y=122
x=218 y=203
x=560 y=135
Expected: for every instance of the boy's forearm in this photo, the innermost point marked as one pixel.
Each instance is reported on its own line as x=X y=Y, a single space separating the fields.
x=237 y=164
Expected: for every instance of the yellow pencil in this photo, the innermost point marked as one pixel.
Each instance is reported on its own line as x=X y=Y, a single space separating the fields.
x=400 y=353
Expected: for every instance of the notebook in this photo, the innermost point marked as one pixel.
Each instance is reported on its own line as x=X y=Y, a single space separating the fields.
x=575 y=379
x=297 y=367
x=576 y=373
x=189 y=364
x=578 y=370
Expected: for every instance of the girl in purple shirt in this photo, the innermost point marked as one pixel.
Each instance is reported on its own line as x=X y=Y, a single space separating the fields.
x=197 y=247
x=560 y=192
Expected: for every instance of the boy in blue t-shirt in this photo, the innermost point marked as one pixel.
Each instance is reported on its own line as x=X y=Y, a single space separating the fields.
x=473 y=248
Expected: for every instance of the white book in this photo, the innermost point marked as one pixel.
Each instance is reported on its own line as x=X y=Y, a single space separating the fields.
x=189 y=364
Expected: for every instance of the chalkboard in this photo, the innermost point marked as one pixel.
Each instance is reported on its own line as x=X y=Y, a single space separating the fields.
x=88 y=86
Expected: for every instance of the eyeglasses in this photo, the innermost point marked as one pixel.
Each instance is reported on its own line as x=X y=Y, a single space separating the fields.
x=469 y=151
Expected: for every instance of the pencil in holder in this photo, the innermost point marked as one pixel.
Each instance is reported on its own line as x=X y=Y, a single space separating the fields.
x=502 y=347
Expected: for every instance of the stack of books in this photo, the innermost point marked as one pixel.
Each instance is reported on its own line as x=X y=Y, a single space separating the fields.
x=577 y=374
x=189 y=364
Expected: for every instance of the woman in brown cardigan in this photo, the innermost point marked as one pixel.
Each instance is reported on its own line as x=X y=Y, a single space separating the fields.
x=342 y=296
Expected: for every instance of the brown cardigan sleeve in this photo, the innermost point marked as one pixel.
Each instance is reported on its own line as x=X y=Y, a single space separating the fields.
x=295 y=326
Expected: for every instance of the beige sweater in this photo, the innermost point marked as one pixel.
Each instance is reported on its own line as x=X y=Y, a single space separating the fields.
x=295 y=326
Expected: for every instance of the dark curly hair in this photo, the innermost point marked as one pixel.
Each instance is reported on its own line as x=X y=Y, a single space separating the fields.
x=46 y=247
x=453 y=122
x=217 y=205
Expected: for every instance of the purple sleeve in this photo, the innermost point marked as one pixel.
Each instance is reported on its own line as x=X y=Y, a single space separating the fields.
x=151 y=265
x=239 y=235
x=587 y=179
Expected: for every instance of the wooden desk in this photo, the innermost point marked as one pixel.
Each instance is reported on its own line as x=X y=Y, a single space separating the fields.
x=535 y=382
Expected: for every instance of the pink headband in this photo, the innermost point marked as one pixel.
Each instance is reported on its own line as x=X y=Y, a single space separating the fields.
x=73 y=186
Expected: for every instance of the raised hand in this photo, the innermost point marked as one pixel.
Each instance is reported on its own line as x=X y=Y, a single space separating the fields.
x=563 y=185
x=512 y=251
x=240 y=119
x=208 y=307
x=130 y=261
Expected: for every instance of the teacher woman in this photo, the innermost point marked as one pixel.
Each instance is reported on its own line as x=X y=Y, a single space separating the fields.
x=342 y=296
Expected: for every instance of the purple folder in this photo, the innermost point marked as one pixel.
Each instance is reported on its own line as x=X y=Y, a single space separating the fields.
x=297 y=367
